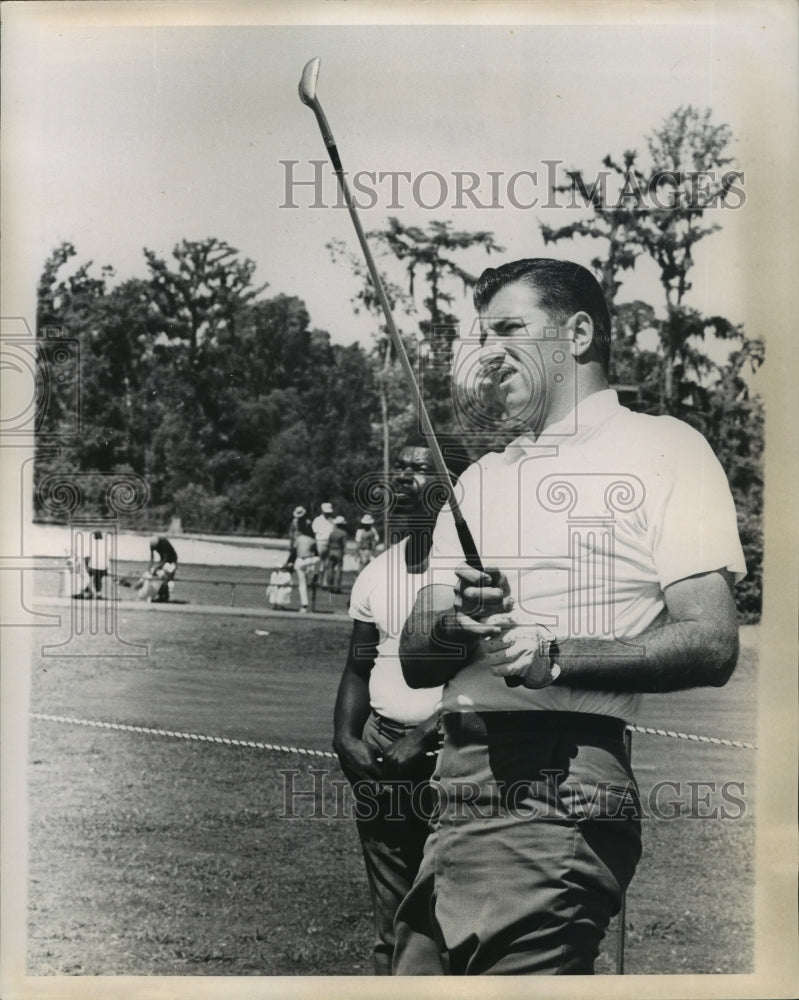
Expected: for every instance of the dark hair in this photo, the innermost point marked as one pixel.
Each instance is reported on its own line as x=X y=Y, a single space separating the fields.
x=563 y=288
x=456 y=457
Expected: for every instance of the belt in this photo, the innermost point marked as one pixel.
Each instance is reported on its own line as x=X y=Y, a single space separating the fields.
x=389 y=727
x=481 y=726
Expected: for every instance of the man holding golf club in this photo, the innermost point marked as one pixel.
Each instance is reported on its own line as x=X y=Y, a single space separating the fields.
x=610 y=549
x=590 y=562
x=384 y=729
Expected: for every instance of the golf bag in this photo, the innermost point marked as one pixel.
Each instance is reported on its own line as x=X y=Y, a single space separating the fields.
x=278 y=593
x=153 y=587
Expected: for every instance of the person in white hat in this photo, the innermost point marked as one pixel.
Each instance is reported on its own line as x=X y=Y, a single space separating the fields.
x=297 y=514
x=303 y=558
x=366 y=539
x=322 y=525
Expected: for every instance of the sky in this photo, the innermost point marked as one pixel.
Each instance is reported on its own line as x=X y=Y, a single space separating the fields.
x=124 y=131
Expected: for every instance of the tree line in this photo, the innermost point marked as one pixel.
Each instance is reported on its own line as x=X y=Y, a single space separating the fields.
x=233 y=407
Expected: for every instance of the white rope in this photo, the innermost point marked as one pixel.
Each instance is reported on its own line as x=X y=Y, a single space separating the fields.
x=199 y=737
x=281 y=748
x=718 y=740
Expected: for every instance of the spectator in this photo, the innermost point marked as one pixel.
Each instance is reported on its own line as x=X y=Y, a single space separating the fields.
x=164 y=563
x=97 y=563
x=366 y=539
x=305 y=559
x=322 y=526
x=336 y=543
x=297 y=513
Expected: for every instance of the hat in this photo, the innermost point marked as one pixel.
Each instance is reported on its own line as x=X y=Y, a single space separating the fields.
x=340 y=520
x=367 y=519
x=327 y=508
x=298 y=512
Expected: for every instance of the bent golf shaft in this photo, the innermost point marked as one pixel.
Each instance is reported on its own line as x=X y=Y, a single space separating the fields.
x=308 y=96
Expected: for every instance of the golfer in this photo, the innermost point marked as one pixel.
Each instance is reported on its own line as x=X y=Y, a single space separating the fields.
x=383 y=729
x=611 y=549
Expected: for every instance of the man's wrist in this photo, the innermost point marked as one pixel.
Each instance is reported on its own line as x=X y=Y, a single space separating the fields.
x=556 y=660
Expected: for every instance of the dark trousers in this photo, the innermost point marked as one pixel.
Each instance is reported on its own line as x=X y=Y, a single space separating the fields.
x=393 y=827
x=538 y=837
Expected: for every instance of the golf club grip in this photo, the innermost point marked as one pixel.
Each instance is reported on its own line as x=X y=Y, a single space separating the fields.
x=467 y=544
x=473 y=560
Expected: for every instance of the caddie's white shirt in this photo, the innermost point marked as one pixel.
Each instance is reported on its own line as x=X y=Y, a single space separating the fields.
x=590 y=523
x=384 y=594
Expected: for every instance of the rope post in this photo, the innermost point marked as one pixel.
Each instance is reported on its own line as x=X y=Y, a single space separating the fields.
x=620 y=933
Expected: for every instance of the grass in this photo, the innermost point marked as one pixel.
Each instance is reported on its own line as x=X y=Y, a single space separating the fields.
x=156 y=856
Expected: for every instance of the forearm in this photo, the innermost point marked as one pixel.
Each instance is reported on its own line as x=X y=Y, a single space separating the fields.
x=671 y=657
x=352 y=705
x=433 y=648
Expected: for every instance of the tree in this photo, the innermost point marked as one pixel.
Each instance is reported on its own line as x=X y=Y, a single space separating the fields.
x=689 y=157
x=431 y=256
x=200 y=300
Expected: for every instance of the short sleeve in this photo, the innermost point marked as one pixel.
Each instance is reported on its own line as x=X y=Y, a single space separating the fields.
x=360 y=607
x=692 y=523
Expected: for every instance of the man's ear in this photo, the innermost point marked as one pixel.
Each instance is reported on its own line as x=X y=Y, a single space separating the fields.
x=581 y=329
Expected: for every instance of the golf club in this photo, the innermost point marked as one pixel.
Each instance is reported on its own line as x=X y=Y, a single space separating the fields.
x=308 y=96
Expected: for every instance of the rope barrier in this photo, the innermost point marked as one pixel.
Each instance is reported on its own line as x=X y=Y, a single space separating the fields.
x=198 y=737
x=280 y=748
x=717 y=740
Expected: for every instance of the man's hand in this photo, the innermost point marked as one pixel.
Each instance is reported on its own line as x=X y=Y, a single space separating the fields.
x=479 y=595
x=440 y=635
x=403 y=758
x=520 y=651
x=358 y=761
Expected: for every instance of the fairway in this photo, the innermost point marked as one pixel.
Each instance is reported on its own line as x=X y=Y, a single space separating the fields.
x=151 y=854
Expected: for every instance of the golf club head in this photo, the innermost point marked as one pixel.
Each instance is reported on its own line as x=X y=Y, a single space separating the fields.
x=308 y=81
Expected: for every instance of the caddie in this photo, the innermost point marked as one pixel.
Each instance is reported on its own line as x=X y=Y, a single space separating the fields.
x=611 y=549
x=384 y=732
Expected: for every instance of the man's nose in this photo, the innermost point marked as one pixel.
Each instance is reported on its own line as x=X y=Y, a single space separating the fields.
x=492 y=353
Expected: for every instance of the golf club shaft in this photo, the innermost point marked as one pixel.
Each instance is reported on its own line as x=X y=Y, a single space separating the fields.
x=464 y=533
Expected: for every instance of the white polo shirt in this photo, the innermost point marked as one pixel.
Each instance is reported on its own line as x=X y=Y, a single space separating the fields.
x=384 y=594
x=589 y=523
x=321 y=527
